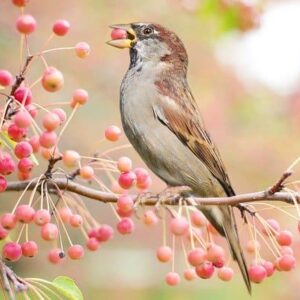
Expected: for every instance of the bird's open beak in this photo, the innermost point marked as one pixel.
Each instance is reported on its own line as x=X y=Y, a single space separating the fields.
x=127 y=40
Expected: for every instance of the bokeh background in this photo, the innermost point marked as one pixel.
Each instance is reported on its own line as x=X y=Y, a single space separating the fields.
x=245 y=74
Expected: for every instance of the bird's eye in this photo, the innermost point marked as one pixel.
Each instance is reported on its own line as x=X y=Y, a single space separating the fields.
x=147 y=31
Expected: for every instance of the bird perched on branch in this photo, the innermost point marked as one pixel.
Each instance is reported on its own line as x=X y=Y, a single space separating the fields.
x=162 y=121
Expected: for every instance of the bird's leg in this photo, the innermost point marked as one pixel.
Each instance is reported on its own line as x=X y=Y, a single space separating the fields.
x=243 y=209
x=140 y=199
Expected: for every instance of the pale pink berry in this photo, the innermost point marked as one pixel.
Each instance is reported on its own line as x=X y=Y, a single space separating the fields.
x=29 y=249
x=257 y=273
x=3 y=233
x=216 y=255
x=61 y=27
x=12 y=251
x=48 y=139
x=80 y=96
x=71 y=158
x=55 y=255
x=6 y=78
x=142 y=175
x=205 y=270
x=164 y=254
x=125 y=226
x=86 y=172
x=145 y=185
x=23 y=119
x=60 y=113
x=65 y=214
x=286 y=250
x=32 y=110
x=127 y=179
x=125 y=203
x=113 y=133
x=225 y=273
x=196 y=256
x=20 y=3
x=23 y=95
x=8 y=221
x=273 y=227
x=26 y=24
x=269 y=268
x=52 y=80
x=51 y=121
x=35 y=143
x=172 y=278
x=42 y=217
x=190 y=274
x=48 y=153
x=252 y=246
x=76 y=220
x=23 y=149
x=3 y=184
x=49 y=232
x=118 y=34
x=7 y=165
x=284 y=238
x=82 y=49
x=286 y=262
x=25 y=165
x=16 y=133
x=179 y=225
x=124 y=164
x=198 y=219
x=25 y=213
x=104 y=233
x=92 y=244
x=75 y=252
x=150 y=218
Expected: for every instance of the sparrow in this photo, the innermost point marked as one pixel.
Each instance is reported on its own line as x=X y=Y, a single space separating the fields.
x=163 y=123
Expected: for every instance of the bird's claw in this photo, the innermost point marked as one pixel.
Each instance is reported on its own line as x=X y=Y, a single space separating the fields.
x=139 y=201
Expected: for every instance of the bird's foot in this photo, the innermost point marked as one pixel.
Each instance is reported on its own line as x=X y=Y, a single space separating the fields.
x=245 y=209
x=140 y=200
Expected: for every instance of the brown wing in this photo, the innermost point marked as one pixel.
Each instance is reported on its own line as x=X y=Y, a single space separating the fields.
x=181 y=115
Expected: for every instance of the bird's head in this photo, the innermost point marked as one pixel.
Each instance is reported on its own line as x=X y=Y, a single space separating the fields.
x=150 y=42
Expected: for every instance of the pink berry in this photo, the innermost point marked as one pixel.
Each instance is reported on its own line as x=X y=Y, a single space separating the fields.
x=150 y=218
x=198 y=219
x=269 y=268
x=125 y=203
x=82 y=49
x=216 y=255
x=284 y=238
x=23 y=95
x=127 y=179
x=29 y=249
x=205 y=270
x=71 y=158
x=23 y=149
x=80 y=96
x=113 y=133
x=32 y=110
x=172 y=278
x=65 y=214
x=75 y=252
x=48 y=139
x=286 y=262
x=3 y=233
x=25 y=165
x=6 y=78
x=190 y=274
x=23 y=119
x=55 y=255
x=20 y=3
x=16 y=133
x=52 y=80
x=104 y=233
x=51 y=121
x=179 y=225
x=61 y=27
x=117 y=34
x=49 y=232
x=124 y=164
x=42 y=217
x=196 y=256
x=7 y=165
x=35 y=144
x=26 y=24
x=60 y=113
x=3 y=184
x=145 y=185
x=252 y=246
x=8 y=221
x=225 y=273
x=92 y=244
x=286 y=250
x=273 y=227
x=124 y=214
x=12 y=251
x=76 y=221
x=25 y=213
x=125 y=226
x=142 y=175
x=257 y=273
x=86 y=172
x=48 y=153
x=23 y=176
x=164 y=254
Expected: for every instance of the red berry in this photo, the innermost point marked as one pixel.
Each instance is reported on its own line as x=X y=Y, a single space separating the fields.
x=23 y=176
x=80 y=96
x=257 y=273
x=48 y=139
x=225 y=273
x=142 y=175
x=145 y=185
x=12 y=251
x=3 y=233
x=29 y=249
x=172 y=278
x=179 y=225
x=92 y=244
x=7 y=165
x=82 y=49
x=25 y=165
x=125 y=203
x=51 y=121
x=284 y=238
x=76 y=220
x=118 y=34
x=23 y=149
x=16 y=133
x=125 y=226
x=26 y=24
x=6 y=78
x=35 y=144
x=190 y=274
x=286 y=262
x=124 y=214
x=105 y=233
x=23 y=95
x=113 y=133
x=61 y=27
x=127 y=179
x=196 y=256
x=164 y=254
x=52 y=80
x=20 y=3
x=25 y=213
x=3 y=184
x=23 y=119
x=49 y=232
x=269 y=268
x=75 y=252
x=205 y=270
x=124 y=164
x=8 y=221
x=216 y=255
x=42 y=217
x=56 y=255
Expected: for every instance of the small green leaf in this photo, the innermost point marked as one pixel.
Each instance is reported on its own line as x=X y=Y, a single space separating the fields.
x=67 y=288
